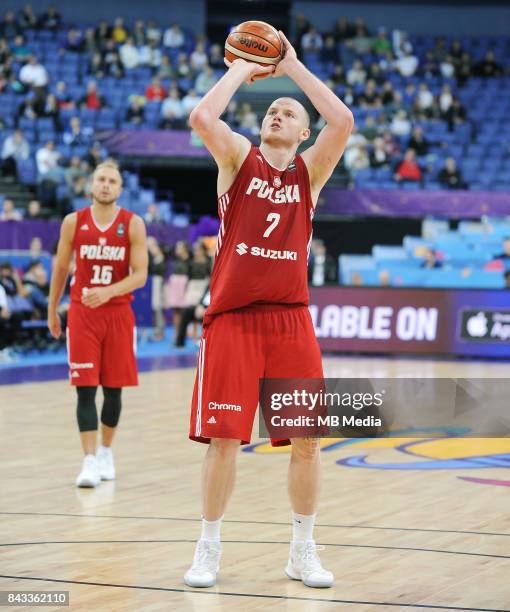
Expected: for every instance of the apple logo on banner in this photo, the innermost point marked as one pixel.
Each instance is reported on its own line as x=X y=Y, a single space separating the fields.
x=477 y=326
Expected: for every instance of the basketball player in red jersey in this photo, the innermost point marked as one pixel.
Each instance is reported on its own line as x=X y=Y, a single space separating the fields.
x=111 y=261
x=258 y=324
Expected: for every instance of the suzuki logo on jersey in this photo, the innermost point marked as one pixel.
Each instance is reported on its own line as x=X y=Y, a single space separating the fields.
x=108 y=253
x=256 y=251
x=286 y=195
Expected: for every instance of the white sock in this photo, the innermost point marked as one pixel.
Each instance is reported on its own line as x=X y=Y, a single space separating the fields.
x=105 y=449
x=302 y=527
x=211 y=530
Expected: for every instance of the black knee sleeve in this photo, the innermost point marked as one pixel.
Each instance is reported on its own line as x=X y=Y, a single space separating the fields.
x=112 y=405
x=86 y=410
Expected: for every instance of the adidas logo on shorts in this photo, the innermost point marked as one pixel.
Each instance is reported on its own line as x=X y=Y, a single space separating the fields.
x=212 y=421
x=75 y=375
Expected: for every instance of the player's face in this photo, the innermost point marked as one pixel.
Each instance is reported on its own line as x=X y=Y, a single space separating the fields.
x=106 y=186
x=285 y=123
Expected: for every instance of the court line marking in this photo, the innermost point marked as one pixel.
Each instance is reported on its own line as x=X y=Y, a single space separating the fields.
x=259 y=595
x=181 y=541
x=197 y=520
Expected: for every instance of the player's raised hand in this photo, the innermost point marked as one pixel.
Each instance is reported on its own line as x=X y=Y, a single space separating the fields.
x=93 y=298
x=254 y=72
x=289 y=56
x=54 y=325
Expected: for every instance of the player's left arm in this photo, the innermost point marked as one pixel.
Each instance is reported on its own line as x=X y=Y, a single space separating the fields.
x=138 y=262
x=322 y=157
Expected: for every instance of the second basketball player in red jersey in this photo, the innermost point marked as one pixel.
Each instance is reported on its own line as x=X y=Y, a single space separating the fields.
x=258 y=324
x=111 y=258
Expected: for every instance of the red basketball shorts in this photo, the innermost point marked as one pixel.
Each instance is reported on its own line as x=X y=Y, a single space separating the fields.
x=101 y=346
x=237 y=349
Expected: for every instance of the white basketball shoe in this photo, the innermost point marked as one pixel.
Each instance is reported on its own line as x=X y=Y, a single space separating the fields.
x=105 y=460
x=205 y=566
x=304 y=564
x=89 y=475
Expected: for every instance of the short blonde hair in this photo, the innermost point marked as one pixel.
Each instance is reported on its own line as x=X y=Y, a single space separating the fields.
x=109 y=163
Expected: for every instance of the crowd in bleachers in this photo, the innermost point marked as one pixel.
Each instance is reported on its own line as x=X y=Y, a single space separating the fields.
x=62 y=84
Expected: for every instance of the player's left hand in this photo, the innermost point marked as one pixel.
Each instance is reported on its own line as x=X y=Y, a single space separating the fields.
x=289 y=56
x=97 y=297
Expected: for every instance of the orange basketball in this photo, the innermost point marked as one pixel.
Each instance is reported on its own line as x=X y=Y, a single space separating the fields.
x=254 y=41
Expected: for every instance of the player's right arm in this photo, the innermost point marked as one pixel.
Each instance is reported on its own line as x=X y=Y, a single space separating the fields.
x=228 y=148
x=60 y=272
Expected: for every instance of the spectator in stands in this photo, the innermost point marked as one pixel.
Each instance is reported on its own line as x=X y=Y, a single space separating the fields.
x=447 y=67
x=407 y=65
x=51 y=110
x=381 y=44
x=76 y=134
x=379 y=158
x=14 y=150
x=172 y=111
x=456 y=114
x=430 y=259
x=27 y=18
x=440 y=50
x=64 y=99
x=112 y=63
x=376 y=74
x=198 y=59
x=321 y=267
x=155 y=92
x=157 y=271
x=216 y=57
x=119 y=32
x=408 y=169
x=356 y=158
x=387 y=94
x=488 y=67
x=92 y=99
x=183 y=67
x=301 y=27
x=166 y=70
x=190 y=100
x=400 y=124
x=74 y=41
x=401 y=43
x=357 y=74
x=30 y=108
x=35 y=247
x=343 y=30
x=9 y=27
x=36 y=288
x=174 y=37
x=74 y=171
x=424 y=103
x=9 y=213
x=34 y=75
x=129 y=54
x=51 y=19
x=34 y=210
x=247 y=119
x=430 y=66
x=139 y=37
x=153 y=32
x=97 y=66
x=445 y=100
x=311 y=41
x=370 y=98
x=329 y=51
x=95 y=155
x=20 y=50
x=135 y=113
x=90 y=42
x=102 y=33
x=463 y=71
x=150 y=55
x=450 y=176
x=49 y=173
x=362 y=43
x=369 y=130
x=337 y=78
x=205 y=80
x=418 y=142
x=390 y=144
x=153 y=214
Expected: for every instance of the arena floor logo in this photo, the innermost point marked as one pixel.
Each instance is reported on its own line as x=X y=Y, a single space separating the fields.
x=449 y=452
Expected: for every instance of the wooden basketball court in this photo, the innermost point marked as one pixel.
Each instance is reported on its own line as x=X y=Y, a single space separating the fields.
x=395 y=538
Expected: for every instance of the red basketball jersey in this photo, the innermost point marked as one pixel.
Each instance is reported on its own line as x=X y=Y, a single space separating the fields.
x=264 y=237
x=102 y=255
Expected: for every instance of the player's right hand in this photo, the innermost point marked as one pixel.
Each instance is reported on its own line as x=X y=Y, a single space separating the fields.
x=55 y=325
x=252 y=69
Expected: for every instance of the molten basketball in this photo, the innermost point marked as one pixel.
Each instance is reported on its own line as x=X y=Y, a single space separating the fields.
x=254 y=41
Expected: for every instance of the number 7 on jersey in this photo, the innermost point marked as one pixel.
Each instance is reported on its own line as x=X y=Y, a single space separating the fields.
x=274 y=219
